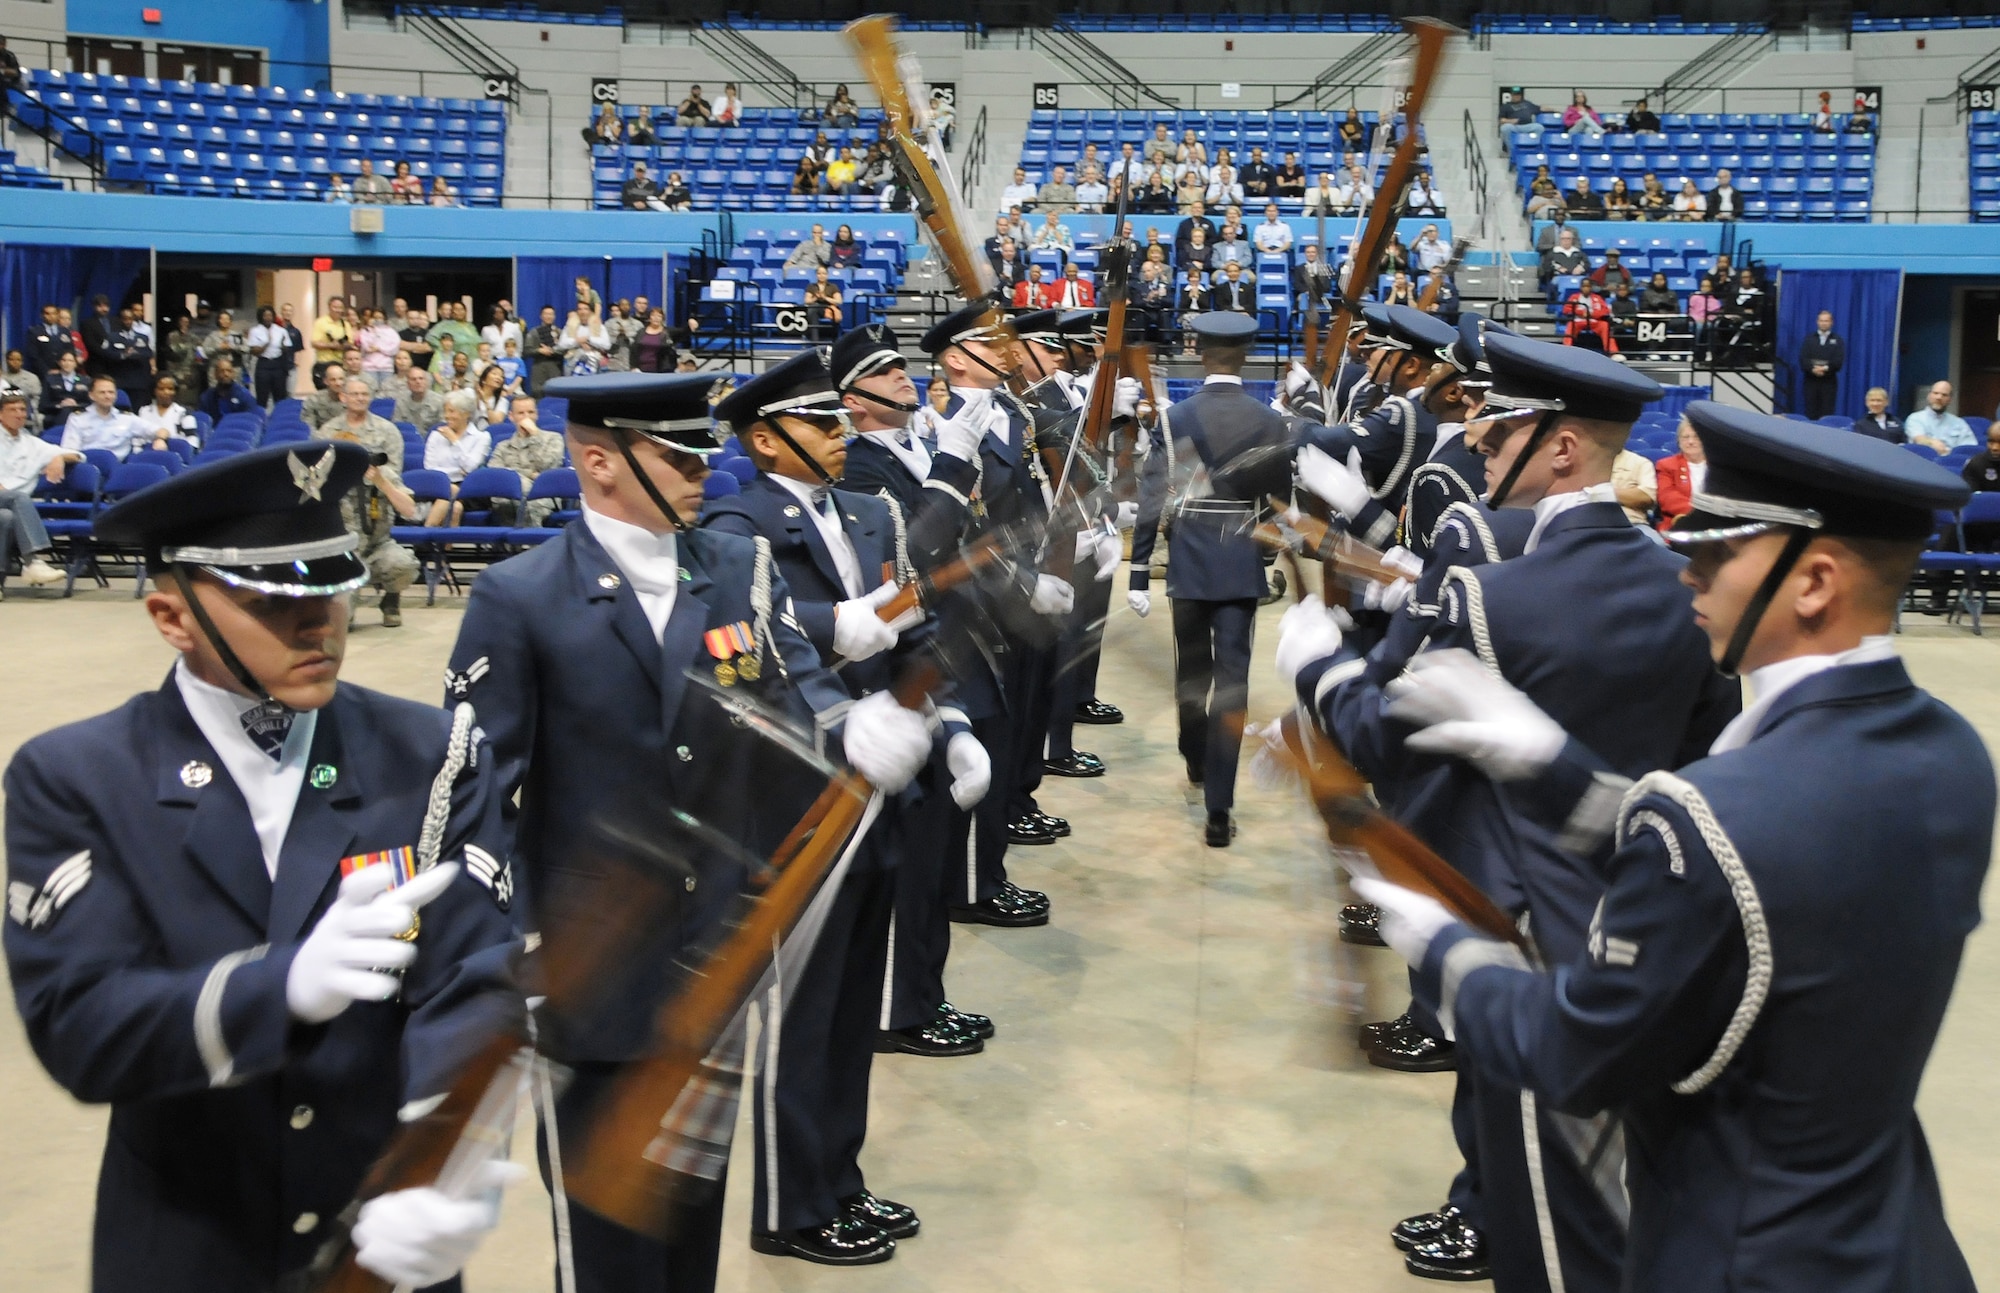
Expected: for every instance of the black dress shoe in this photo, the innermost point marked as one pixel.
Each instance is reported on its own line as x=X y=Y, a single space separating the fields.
x=1424 y=1227
x=1003 y=910
x=978 y=1025
x=939 y=1038
x=1025 y=897
x=844 y=1241
x=1096 y=711
x=1076 y=764
x=1220 y=830
x=1029 y=829
x=1410 y=1051
x=1458 y=1252
x=1372 y=1035
x=1358 y=922
x=892 y=1219
x=1056 y=826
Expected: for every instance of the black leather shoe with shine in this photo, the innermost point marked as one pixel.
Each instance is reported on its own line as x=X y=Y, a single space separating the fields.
x=1458 y=1253
x=1077 y=764
x=892 y=1219
x=1373 y=1034
x=1025 y=897
x=1410 y=1051
x=845 y=1241
x=1424 y=1227
x=1002 y=910
x=1028 y=829
x=978 y=1025
x=1220 y=830
x=1096 y=711
x=941 y=1037
x=1057 y=826
x=1358 y=922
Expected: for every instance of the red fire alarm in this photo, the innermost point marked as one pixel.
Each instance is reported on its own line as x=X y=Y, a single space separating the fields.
x=322 y=264
x=149 y=15
x=1228 y=44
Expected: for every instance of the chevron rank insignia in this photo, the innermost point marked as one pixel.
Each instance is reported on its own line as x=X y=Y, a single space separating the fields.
x=459 y=685
x=32 y=908
x=497 y=876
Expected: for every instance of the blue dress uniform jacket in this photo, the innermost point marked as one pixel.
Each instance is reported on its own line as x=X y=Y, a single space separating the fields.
x=149 y=947
x=1761 y=990
x=586 y=712
x=1393 y=438
x=1454 y=473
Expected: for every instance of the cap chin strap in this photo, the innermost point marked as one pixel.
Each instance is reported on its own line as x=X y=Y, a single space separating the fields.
x=1497 y=497
x=229 y=658
x=1746 y=627
x=883 y=400
x=1005 y=375
x=646 y=481
x=803 y=456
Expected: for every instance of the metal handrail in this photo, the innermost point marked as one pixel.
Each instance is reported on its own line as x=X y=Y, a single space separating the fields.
x=1475 y=166
x=1090 y=61
x=975 y=158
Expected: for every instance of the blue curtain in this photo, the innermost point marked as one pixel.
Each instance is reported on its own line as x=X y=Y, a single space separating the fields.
x=32 y=276
x=551 y=280
x=1863 y=302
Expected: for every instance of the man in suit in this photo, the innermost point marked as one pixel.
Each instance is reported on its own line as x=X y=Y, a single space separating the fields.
x=838 y=554
x=1821 y=356
x=1879 y=421
x=1215 y=573
x=48 y=343
x=205 y=888
x=1031 y=293
x=927 y=487
x=579 y=655
x=1234 y=293
x=97 y=332
x=1008 y=267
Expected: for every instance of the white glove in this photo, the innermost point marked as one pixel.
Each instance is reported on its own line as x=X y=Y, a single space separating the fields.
x=886 y=743
x=971 y=769
x=348 y=953
x=1125 y=398
x=1128 y=516
x=1469 y=712
x=1141 y=603
x=1086 y=544
x=1298 y=380
x=1341 y=485
x=1051 y=596
x=420 y=1237
x=1110 y=551
x=1410 y=920
x=1306 y=632
x=959 y=437
x=1390 y=597
x=858 y=632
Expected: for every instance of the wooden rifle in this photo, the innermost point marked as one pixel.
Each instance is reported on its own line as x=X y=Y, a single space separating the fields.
x=1312 y=308
x=1428 y=301
x=1367 y=252
x=1339 y=551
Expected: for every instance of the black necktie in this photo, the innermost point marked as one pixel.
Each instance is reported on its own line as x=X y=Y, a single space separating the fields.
x=267 y=725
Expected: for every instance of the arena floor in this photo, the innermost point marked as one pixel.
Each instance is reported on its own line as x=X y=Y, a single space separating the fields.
x=1171 y=1102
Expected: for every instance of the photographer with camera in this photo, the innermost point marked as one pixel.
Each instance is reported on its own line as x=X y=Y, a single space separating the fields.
x=379 y=502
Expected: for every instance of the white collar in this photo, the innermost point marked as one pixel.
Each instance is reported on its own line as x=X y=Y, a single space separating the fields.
x=1775 y=679
x=651 y=561
x=800 y=490
x=1222 y=379
x=270 y=788
x=1447 y=432
x=1556 y=504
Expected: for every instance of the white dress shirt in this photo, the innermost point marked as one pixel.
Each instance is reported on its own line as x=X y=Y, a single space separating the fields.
x=1017 y=195
x=22 y=458
x=1556 y=504
x=267 y=341
x=1774 y=680
x=172 y=420
x=915 y=455
x=827 y=517
x=1273 y=236
x=651 y=562
x=270 y=788
x=89 y=429
x=456 y=457
x=1698 y=477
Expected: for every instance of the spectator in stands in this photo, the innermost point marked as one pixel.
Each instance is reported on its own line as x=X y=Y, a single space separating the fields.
x=370 y=187
x=1517 y=115
x=1093 y=192
x=452 y=322
x=653 y=349
x=1658 y=297
x=1652 y=202
x=1429 y=252
x=461 y=370
x=639 y=192
x=1401 y=290
x=840 y=173
x=379 y=344
x=323 y=405
x=226 y=393
x=943 y=118
x=1160 y=148
x=76 y=338
x=1704 y=310
x=163 y=416
x=1031 y=293
x=805 y=180
x=821 y=150
x=1690 y=203
x=331 y=333
x=1544 y=199
x=1058 y=196
x=515 y=367
x=1353 y=132
x=1153 y=295
x=270 y=354
x=1724 y=202
x=128 y=359
x=1129 y=165
x=1860 y=122
x=19 y=377
x=1878 y=421
x=1612 y=272
x=397 y=385
x=877 y=171
x=1624 y=314
x=1580 y=118
x=1618 y=203
x=100 y=424
x=337 y=189
x=1019 y=193
x=1257 y=176
x=413 y=338
x=1357 y=193
x=1053 y=235
x=223 y=343
x=1009 y=267
x=1312 y=282
x=1197 y=252
x=1587 y=319
x=501 y=326
x=47 y=343
x=1821 y=355
x=812 y=252
x=1934 y=425
x=1583 y=201
x=605 y=128
x=1822 y=117
x=1233 y=291
x=527 y=452
x=1224 y=188
x=694 y=110
x=544 y=349
x=421 y=407
x=96 y=333
x=1423 y=199
x=491 y=396
x=1395 y=256
x=676 y=196
x=1197 y=217
x=1191 y=151
x=1289 y=180
x=1072 y=291
x=1642 y=120
x=640 y=129
x=1190 y=187
x=823 y=307
x=841 y=110
x=1155 y=198
x=1562 y=260
x=1635 y=485
x=65 y=391
x=1679 y=477
x=584 y=343
x=728 y=107
x=844 y=252
x=1274 y=236
x=25 y=461
x=405 y=188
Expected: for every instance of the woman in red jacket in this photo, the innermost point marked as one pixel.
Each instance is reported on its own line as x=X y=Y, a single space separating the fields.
x=1680 y=476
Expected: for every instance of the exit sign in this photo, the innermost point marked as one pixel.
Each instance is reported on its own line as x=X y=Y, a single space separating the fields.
x=149 y=15
x=322 y=264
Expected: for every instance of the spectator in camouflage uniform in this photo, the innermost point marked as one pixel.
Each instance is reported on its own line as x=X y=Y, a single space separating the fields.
x=323 y=405
x=423 y=407
x=180 y=358
x=380 y=501
x=529 y=452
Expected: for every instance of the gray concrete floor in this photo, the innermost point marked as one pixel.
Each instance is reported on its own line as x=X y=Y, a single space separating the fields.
x=1172 y=1102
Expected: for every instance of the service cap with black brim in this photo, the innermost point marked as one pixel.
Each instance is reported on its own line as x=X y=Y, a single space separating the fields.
x=1040 y=327
x=862 y=352
x=669 y=408
x=265 y=519
x=1222 y=329
x=975 y=322
x=1377 y=332
x=1084 y=327
x=1424 y=334
x=800 y=387
x=1546 y=382
x=1467 y=353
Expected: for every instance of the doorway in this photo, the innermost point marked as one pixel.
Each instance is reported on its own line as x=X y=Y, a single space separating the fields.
x=1979 y=353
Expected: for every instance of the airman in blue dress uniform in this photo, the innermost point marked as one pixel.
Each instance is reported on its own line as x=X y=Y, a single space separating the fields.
x=1761 y=985
x=838 y=552
x=1581 y=622
x=181 y=940
x=1215 y=572
x=580 y=655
